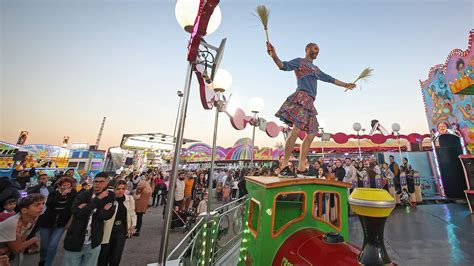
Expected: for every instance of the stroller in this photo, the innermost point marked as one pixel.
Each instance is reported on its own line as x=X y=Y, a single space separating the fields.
x=183 y=219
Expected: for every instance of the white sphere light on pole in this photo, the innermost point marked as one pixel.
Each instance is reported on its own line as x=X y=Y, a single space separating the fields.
x=396 y=127
x=256 y=104
x=186 y=12
x=357 y=126
x=222 y=81
x=322 y=124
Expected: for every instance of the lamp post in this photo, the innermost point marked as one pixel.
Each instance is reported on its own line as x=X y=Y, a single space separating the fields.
x=396 y=129
x=256 y=106
x=322 y=125
x=357 y=127
x=180 y=95
x=221 y=83
x=186 y=12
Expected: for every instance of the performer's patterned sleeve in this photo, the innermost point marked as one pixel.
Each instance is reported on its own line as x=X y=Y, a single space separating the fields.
x=323 y=76
x=291 y=65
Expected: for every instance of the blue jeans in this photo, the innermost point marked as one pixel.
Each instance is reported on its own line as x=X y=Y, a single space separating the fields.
x=49 y=243
x=88 y=256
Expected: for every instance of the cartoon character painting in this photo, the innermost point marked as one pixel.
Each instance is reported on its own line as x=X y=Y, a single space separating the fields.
x=448 y=95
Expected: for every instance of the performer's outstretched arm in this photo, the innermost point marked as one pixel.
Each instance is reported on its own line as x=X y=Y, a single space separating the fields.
x=345 y=85
x=272 y=53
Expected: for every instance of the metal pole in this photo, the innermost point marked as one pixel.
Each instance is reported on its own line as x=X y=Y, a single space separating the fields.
x=177 y=115
x=172 y=182
x=358 y=144
x=213 y=158
x=211 y=176
x=322 y=142
x=399 y=149
x=253 y=140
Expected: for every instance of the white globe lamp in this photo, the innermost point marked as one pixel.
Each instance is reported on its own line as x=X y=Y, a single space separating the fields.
x=222 y=81
x=256 y=104
x=186 y=12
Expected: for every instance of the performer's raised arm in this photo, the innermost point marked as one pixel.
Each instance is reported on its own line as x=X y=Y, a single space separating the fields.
x=271 y=51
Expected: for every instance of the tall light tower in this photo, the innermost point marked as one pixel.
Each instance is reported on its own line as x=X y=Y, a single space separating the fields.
x=99 y=136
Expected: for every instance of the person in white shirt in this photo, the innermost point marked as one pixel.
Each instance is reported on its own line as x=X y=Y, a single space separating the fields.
x=351 y=172
x=179 y=192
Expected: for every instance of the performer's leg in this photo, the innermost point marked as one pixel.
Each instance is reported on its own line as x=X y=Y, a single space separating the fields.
x=304 y=151
x=289 y=145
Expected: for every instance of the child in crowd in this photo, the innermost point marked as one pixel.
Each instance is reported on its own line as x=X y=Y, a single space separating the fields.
x=202 y=207
x=9 y=211
x=405 y=198
x=226 y=194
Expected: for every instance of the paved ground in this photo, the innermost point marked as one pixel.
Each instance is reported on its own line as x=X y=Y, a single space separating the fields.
x=441 y=234
x=437 y=234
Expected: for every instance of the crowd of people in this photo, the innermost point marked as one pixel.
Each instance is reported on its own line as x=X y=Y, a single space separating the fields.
x=98 y=215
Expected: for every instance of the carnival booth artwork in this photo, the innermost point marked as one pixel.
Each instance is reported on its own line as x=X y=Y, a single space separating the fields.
x=448 y=97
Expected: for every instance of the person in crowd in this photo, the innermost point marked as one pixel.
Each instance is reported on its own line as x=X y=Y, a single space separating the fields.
x=339 y=171
x=8 y=190
x=9 y=209
x=159 y=189
x=202 y=207
x=90 y=209
x=128 y=179
x=52 y=223
x=14 y=230
x=119 y=227
x=200 y=187
x=142 y=197
x=322 y=163
x=361 y=173
x=226 y=194
x=371 y=174
x=70 y=173
x=331 y=164
x=330 y=173
x=235 y=188
x=405 y=167
x=179 y=191
x=396 y=172
x=351 y=172
x=313 y=168
x=387 y=176
x=150 y=177
x=135 y=179
x=188 y=190
x=321 y=174
x=85 y=186
x=23 y=179
x=42 y=186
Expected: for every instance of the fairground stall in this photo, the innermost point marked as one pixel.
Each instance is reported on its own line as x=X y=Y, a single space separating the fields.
x=448 y=97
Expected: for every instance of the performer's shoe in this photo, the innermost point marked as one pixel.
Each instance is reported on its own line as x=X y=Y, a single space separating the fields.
x=286 y=172
x=304 y=173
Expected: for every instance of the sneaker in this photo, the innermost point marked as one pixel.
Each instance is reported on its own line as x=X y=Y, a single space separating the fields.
x=286 y=172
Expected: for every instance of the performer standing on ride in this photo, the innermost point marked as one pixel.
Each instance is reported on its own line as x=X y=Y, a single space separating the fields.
x=298 y=110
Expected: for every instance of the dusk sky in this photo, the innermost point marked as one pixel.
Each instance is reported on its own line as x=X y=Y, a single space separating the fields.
x=67 y=64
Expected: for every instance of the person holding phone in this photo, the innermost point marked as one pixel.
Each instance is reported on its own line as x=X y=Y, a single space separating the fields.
x=52 y=223
x=119 y=227
x=90 y=209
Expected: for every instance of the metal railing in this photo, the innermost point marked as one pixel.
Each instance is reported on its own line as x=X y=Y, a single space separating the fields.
x=227 y=220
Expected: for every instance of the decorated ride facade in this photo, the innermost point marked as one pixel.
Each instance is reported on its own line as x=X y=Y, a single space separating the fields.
x=448 y=97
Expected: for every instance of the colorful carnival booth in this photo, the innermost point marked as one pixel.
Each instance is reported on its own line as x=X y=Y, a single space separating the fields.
x=49 y=158
x=448 y=97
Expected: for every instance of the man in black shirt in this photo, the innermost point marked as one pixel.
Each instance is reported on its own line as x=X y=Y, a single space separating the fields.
x=339 y=171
